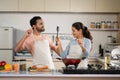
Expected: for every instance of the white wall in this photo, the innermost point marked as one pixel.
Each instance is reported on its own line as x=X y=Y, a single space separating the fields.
x=20 y=21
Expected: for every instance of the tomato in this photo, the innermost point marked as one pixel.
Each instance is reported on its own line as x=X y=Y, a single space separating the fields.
x=34 y=66
x=2 y=63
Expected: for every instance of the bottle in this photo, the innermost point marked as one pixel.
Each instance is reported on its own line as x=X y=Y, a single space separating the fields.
x=107 y=59
x=16 y=65
x=100 y=50
x=22 y=65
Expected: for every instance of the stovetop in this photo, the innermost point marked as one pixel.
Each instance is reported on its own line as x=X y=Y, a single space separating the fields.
x=92 y=69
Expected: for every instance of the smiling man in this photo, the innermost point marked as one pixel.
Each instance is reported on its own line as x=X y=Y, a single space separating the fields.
x=38 y=44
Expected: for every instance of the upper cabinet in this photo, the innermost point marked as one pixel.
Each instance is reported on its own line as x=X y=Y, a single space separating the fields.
x=31 y=5
x=82 y=6
x=107 y=5
x=60 y=5
x=57 y=5
x=8 y=5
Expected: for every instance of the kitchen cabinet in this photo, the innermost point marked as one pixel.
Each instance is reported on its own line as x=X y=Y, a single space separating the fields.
x=31 y=5
x=107 y=5
x=57 y=5
x=6 y=55
x=8 y=5
x=82 y=6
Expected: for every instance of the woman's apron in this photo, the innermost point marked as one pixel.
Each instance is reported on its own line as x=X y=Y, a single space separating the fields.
x=76 y=53
x=42 y=54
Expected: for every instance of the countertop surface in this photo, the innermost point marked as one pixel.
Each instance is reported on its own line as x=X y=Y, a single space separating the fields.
x=52 y=74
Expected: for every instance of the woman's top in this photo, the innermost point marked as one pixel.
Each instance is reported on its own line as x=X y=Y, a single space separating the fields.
x=73 y=42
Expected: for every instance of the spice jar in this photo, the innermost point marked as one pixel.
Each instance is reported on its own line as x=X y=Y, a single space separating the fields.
x=115 y=24
x=103 y=24
x=98 y=25
x=109 y=25
x=92 y=25
x=22 y=65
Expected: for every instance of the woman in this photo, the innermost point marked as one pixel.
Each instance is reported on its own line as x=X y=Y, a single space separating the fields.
x=80 y=46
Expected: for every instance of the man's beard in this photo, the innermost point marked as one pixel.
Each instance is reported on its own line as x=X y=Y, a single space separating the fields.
x=40 y=29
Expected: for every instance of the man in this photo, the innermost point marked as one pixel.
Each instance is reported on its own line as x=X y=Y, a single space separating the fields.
x=38 y=44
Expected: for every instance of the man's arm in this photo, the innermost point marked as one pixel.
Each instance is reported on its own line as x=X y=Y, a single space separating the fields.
x=20 y=43
x=58 y=49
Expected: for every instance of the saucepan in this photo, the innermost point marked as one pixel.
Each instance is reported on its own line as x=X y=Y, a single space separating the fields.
x=71 y=61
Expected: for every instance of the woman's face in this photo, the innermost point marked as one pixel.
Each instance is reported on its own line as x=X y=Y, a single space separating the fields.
x=76 y=33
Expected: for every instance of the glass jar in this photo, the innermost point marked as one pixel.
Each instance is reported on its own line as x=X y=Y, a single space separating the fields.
x=115 y=25
x=109 y=39
x=98 y=25
x=103 y=24
x=22 y=65
x=109 y=25
x=16 y=65
x=92 y=25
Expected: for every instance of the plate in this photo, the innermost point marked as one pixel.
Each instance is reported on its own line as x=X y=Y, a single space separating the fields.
x=115 y=53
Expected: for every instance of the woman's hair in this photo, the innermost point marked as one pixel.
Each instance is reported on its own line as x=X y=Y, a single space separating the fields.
x=86 y=33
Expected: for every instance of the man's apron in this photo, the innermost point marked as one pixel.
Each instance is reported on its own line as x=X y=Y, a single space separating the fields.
x=42 y=54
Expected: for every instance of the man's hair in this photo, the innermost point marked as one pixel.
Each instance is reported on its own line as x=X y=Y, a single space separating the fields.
x=33 y=21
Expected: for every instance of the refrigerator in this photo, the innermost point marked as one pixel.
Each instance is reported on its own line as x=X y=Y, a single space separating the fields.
x=6 y=44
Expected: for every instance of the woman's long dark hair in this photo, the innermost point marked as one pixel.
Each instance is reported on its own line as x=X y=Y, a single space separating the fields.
x=86 y=33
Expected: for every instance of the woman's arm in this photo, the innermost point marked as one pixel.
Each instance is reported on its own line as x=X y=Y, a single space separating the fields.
x=86 y=46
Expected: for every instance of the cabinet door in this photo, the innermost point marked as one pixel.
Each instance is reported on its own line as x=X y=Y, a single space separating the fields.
x=82 y=5
x=6 y=40
x=8 y=5
x=57 y=5
x=31 y=5
x=107 y=5
x=6 y=55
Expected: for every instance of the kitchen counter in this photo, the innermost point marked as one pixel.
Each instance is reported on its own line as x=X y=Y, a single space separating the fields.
x=25 y=75
x=55 y=75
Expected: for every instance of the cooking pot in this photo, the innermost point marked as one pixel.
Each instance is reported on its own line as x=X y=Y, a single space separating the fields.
x=71 y=61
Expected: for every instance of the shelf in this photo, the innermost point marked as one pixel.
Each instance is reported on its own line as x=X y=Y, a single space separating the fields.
x=95 y=29
x=114 y=44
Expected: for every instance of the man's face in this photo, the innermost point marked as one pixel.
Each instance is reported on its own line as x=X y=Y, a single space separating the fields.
x=40 y=25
